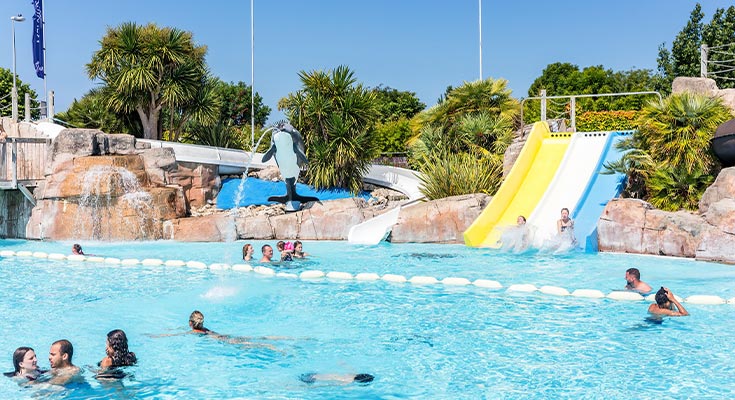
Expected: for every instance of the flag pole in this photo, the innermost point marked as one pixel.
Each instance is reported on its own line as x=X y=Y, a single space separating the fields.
x=43 y=24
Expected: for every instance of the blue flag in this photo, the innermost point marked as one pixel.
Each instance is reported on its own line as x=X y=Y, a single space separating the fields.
x=38 y=59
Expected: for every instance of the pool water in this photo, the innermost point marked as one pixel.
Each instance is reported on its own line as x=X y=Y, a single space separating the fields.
x=431 y=341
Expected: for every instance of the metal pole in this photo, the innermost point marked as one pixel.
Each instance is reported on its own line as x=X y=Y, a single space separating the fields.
x=43 y=26
x=27 y=104
x=480 y=17
x=14 y=96
x=543 y=104
x=252 y=77
x=50 y=105
x=703 y=61
x=573 y=113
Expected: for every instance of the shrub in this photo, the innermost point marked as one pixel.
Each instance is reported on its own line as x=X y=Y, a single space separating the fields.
x=598 y=121
x=445 y=175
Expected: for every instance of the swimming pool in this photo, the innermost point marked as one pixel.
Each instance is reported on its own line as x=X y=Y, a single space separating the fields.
x=420 y=341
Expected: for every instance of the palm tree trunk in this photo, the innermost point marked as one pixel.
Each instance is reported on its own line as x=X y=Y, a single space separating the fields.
x=149 y=122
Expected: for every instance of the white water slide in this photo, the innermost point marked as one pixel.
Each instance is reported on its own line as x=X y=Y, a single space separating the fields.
x=568 y=184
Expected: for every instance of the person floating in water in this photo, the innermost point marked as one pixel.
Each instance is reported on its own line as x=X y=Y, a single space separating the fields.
x=667 y=305
x=63 y=370
x=247 y=252
x=634 y=282
x=286 y=254
x=77 y=249
x=267 y=251
x=117 y=356
x=25 y=365
x=342 y=379
x=196 y=323
x=298 y=250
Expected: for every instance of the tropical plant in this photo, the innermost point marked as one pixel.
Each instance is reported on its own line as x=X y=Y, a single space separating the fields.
x=146 y=69
x=336 y=115
x=674 y=188
x=91 y=111
x=451 y=174
x=219 y=134
x=392 y=136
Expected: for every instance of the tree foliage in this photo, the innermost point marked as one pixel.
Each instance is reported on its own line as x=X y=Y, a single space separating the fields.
x=336 y=115
x=92 y=111
x=394 y=105
x=684 y=57
x=670 y=163
x=147 y=68
x=235 y=99
x=6 y=89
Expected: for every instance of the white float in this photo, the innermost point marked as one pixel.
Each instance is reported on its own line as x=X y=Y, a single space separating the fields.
x=625 y=295
x=526 y=288
x=731 y=301
x=588 y=293
x=312 y=274
x=76 y=257
x=152 y=262
x=56 y=256
x=242 y=267
x=196 y=265
x=487 y=284
x=24 y=253
x=174 y=263
x=7 y=253
x=112 y=260
x=367 y=276
x=451 y=281
x=705 y=299
x=261 y=270
x=339 y=275
x=95 y=259
x=394 y=278
x=219 y=267
x=130 y=261
x=40 y=254
x=423 y=280
x=554 y=290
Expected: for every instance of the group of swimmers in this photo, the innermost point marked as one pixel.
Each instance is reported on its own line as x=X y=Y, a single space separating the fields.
x=63 y=370
x=518 y=238
x=666 y=303
x=288 y=251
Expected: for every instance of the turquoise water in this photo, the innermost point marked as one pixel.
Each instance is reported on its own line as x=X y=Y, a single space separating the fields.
x=419 y=341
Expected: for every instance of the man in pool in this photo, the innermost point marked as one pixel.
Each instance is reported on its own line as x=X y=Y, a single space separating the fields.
x=634 y=282
x=267 y=251
x=196 y=322
x=62 y=369
x=667 y=304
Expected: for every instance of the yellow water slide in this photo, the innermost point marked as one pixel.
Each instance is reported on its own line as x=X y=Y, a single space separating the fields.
x=523 y=187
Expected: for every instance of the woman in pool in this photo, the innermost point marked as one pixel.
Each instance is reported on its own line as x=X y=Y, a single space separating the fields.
x=564 y=224
x=25 y=364
x=117 y=351
x=298 y=250
x=667 y=304
x=247 y=252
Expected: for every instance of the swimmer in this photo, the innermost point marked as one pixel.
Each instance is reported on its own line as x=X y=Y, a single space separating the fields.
x=285 y=254
x=267 y=251
x=247 y=252
x=634 y=282
x=564 y=224
x=342 y=379
x=196 y=322
x=117 y=351
x=25 y=364
x=521 y=220
x=77 y=249
x=667 y=304
x=60 y=357
x=298 y=250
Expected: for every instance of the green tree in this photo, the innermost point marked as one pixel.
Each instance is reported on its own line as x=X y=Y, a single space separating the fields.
x=719 y=35
x=394 y=104
x=146 y=69
x=336 y=115
x=91 y=111
x=6 y=88
x=236 y=104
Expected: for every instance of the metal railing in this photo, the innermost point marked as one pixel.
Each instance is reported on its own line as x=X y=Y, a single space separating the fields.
x=571 y=104
x=22 y=161
x=717 y=62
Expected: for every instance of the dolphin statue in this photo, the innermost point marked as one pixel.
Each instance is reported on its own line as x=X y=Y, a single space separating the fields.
x=287 y=146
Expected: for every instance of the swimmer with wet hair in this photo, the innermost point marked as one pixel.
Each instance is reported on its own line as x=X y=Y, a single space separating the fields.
x=337 y=378
x=667 y=304
x=25 y=364
x=196 y=322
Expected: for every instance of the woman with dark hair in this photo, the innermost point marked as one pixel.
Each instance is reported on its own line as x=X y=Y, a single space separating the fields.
x=247 y=252
x=25 y=364
x=117 y=351
x=667 y=304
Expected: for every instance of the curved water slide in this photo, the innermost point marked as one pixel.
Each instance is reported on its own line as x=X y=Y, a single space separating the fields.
x=522 y=188
x=565 y=190
x=599 y=190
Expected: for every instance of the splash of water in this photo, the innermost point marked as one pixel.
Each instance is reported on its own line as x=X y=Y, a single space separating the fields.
x=107 y=193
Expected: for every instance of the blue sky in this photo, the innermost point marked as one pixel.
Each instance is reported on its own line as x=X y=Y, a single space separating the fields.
x=419 y=46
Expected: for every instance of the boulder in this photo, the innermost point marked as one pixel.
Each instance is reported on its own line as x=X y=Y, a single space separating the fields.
x=722 y=188
x=620 y=227
x=439 y=221
x=671 y=234
x=271 y=173
x=200 y=182
x=716 y=245
x=210 y=228
x=704 y=86
x=159 y=164
x=722 y=215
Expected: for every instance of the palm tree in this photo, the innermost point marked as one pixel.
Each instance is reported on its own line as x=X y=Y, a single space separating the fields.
x=147 y=68
x=336 y=115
